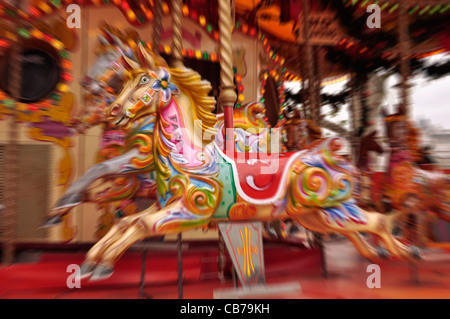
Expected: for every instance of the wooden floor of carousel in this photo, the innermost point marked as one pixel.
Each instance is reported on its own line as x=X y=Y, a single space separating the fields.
x=43 y=273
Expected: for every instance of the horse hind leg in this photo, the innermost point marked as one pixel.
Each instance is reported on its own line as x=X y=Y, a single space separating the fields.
x=115 y=234
x=314 y=221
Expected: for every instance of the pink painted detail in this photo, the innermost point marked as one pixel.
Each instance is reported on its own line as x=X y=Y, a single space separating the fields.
x=180 y=136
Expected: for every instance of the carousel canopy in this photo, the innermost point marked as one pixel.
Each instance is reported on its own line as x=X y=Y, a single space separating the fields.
x=338 y=27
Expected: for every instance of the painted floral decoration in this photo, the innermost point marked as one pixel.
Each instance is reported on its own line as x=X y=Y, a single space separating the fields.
x=164 y=85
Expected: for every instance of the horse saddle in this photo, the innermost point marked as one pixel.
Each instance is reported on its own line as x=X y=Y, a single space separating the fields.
x=262 y=176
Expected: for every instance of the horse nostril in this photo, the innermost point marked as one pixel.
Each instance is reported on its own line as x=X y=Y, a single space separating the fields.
x=115 y=110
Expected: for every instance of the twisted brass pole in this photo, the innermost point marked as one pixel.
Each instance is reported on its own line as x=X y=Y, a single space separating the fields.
x=227 y=94
x=318 y=61
x=404 y=46
x=304 y=95
x=353 y=119
x=309 y=66
x=157 y=27
x=12 y=154
x=177 y=36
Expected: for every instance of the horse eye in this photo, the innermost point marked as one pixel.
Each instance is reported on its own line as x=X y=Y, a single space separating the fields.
x=144 y=80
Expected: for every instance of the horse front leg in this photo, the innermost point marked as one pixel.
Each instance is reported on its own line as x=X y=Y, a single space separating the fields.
x=77 y=193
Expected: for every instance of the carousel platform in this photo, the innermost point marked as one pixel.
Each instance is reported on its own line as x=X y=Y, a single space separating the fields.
x=45 y=276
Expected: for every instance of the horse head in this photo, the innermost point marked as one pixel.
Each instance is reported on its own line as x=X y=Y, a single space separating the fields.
x=397 y=128
x=369 y=143
x=138 y=97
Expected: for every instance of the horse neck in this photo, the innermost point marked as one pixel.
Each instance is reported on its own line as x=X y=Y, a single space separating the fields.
x=176 y=125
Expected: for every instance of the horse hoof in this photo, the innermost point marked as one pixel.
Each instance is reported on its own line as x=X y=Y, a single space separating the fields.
x=86 y=270
x=101 y=272
x=383 y=253
x=51 y=221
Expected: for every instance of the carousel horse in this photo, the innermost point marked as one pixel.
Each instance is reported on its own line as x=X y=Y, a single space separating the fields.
x=366 y=145
x=198 y=184
x=409 y=188
x=102 y=83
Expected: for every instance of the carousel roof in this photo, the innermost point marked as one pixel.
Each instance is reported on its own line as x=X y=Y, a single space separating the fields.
x=352 y=48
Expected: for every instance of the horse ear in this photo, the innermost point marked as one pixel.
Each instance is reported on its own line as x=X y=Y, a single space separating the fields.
x=129 y=64
x=146 y=58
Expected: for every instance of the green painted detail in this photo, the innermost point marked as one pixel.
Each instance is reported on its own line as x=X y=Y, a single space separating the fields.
x=228 y=191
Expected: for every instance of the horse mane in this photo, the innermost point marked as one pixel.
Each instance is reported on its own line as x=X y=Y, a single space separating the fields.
x=191 y=83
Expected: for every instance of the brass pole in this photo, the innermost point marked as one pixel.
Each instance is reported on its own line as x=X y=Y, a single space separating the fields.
x=222 y=258
x=303 y=93
x=157 y=27
x=177 y=36
x=12 y=154
x=404 y=48
x=180 y=265
x=353 y=119
x=318 y=61
x=227 y=95
x=309 y=66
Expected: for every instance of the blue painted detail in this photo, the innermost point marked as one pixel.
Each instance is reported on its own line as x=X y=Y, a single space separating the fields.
x=351 y=207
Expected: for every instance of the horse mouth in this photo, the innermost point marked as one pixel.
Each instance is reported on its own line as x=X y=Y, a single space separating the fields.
x=117 y=123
